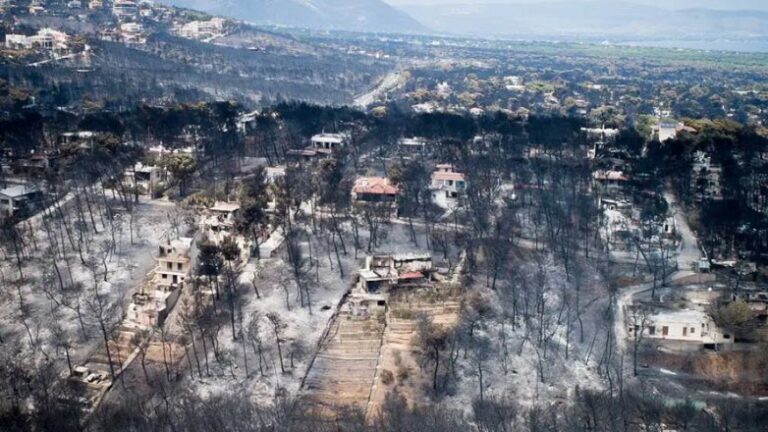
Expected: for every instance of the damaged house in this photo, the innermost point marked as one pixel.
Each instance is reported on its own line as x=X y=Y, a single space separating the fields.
x=157 y=298
x=382 y=273
x=447 y=186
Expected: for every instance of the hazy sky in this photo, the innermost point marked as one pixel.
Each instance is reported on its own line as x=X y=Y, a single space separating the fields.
x=670 y=4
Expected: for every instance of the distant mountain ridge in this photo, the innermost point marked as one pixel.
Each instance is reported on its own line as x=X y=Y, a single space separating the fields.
x=599 y=18
x=353 y=15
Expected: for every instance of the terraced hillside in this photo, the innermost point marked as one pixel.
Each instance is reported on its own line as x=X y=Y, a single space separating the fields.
x=345 y=367
x=399 y=366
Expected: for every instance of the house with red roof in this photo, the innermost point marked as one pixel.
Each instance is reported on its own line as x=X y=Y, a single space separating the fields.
x=374 y=190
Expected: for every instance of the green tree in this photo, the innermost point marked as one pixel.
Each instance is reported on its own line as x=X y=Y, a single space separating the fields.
x=253 y=206
x=736 y=317
x=209 y=262
x=182 y=167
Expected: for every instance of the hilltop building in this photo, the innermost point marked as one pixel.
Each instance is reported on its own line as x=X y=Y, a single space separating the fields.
x=45 y=38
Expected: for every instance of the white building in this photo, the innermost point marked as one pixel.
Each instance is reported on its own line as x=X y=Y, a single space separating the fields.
x=125 y=8
x=202 y=29
x=329 y=142
x=447 y=186
x=688 y=326
x=601 y=133
x=132 y=33
x=669 y=130
x=18 y=199
x=46 y=38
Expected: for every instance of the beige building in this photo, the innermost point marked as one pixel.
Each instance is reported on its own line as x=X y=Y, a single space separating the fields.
x=152 y=304
x=173 y=263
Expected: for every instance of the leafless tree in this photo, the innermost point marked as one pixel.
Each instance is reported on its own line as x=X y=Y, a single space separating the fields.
x=278 y=327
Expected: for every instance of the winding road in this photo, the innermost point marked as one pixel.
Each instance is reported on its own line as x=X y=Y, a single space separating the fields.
x=688 y=255
x=391 y=81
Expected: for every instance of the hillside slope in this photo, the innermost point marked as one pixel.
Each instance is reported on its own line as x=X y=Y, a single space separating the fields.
x=353 y=15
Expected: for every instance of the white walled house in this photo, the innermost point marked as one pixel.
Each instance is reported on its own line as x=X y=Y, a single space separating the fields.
x=321 y=145
x=202 y=29
x=46 y=38
x=687 y=327
x=447 y=186
x=125 y=9
x=329 y=142
x=20 y=198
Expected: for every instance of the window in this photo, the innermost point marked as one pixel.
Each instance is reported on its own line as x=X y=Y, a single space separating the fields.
x=165 y=276
x=651 y=330
x=179 y=266
x=685 y=331
x=665 y=331
x=693 y=330
x=169 y=266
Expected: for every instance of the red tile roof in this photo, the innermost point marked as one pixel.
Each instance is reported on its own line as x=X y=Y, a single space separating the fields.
x=374 y=186
x=411 y=275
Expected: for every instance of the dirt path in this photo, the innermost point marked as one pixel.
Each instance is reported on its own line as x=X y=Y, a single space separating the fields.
x=687 y=257
x=689 y=252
